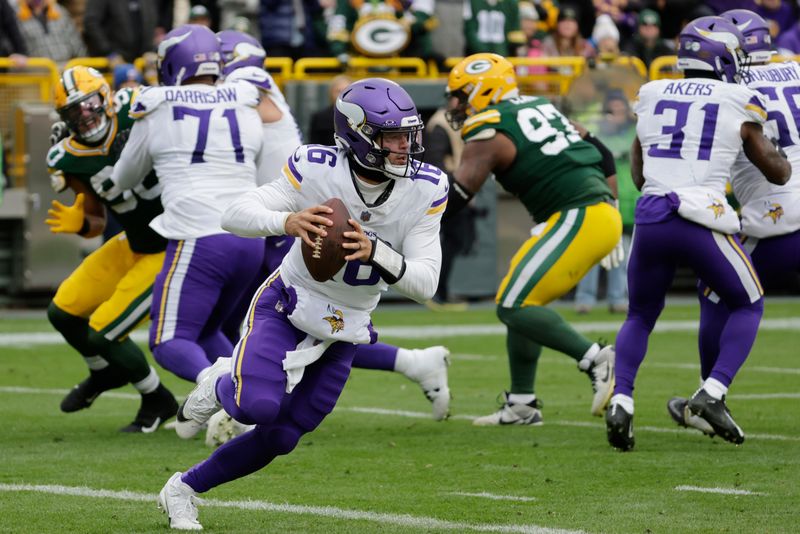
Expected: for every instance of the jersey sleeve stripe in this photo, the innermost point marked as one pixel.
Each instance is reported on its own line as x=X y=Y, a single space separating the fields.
x=434 y=210
x=293 y=178
x=439 y=202
x=755 y=105
x=487 y=117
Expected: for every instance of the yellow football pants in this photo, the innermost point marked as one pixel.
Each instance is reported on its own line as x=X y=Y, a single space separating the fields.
x=112 y=287
x=559 y=254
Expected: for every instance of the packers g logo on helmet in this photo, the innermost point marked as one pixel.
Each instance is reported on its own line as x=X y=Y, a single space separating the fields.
x=478 y=81
x=83 y=100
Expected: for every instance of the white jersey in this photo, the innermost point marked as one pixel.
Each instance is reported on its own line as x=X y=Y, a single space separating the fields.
x=203 y=142
x=408 y=220
x=690 y=136
x=281 y=137
x=768 y=209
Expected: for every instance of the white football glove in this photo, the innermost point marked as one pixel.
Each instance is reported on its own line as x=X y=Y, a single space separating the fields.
x=615 y=258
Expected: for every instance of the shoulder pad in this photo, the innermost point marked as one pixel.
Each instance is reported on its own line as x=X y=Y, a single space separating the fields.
x=305 y=159
x=145 y=100
x=482 y=119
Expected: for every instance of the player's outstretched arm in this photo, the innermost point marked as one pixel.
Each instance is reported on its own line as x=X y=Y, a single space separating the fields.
x=763 y=154
x=261 y=212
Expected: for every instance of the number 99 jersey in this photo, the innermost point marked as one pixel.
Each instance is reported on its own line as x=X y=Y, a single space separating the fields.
x=690 y=132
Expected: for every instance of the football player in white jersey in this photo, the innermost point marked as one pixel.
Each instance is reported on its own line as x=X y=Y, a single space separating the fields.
x=300 y=338
x=770 y=213
x=243 y=59
x=689 y=133
x=203 y=140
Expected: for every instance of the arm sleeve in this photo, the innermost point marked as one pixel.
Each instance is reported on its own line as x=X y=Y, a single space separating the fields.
x=134 y=162
x=423 y=255
x=261 y=212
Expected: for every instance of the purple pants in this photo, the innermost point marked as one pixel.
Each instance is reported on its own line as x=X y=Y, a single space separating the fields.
x=718 y=260
x=258 y=395
x=773 y=256
x=194 y=294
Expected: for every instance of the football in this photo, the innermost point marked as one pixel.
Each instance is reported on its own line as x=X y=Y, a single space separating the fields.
x=326 y=257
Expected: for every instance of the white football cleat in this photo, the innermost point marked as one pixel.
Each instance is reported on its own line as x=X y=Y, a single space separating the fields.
x=202 y=402
x=512 y=413
x=177 y=500
x=428 y=368
x=223 y=428
x=601 y=372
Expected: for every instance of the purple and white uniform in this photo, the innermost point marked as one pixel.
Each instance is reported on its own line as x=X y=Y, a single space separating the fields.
x=770 y=213
x=690 y=136
x=203 y=142
x=300 y=335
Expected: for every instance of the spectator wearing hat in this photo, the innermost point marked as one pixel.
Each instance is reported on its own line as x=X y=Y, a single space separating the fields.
x=126 y=75
x=199 y=14
x=647 y=44
x=605 y=37
x=567 y=40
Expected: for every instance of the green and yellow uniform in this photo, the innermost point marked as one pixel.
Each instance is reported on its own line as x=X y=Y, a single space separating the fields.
x=112 y=287
x=557 y=177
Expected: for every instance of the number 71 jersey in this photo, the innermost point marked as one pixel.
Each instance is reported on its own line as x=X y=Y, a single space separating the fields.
x=690 y=131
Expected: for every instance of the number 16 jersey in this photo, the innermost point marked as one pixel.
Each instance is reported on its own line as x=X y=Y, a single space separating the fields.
x=690 y=131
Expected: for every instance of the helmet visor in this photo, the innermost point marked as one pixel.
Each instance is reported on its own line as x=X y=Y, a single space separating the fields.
x=86 y=116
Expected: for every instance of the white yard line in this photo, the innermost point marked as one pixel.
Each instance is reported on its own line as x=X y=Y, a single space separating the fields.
x=722 y=491
x=26 y=339
x=404 y=413
x=492 y=496
x=402 y=520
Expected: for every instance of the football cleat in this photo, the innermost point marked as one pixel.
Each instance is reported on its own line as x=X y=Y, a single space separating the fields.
x=429 y=370
x=619 y=428
x=177 y=500
x=601 y=373
x=512 y=413
x=678 y=409
x=202 y=402
x=222 y=428
x=716 y=414
x=84 y=394
x=157 y=407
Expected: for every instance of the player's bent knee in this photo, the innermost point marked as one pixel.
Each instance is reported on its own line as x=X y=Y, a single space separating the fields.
x=97 y=339
x=60 y=319
x=282 y=439
x=260 y=411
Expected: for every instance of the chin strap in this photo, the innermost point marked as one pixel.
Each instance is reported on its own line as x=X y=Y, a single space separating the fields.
x=390 y=264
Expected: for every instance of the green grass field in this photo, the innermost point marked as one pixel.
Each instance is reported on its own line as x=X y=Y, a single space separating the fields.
x=380 y=464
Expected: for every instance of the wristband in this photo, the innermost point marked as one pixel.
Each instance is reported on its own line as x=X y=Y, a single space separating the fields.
x=390 y=264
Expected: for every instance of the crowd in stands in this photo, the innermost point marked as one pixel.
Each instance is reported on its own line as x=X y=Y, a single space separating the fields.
x=123 y=30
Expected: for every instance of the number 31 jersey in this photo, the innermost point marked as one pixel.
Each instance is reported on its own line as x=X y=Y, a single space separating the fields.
x=690 y=131
x=203 y=141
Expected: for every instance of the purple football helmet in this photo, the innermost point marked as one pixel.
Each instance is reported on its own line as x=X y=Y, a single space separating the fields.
x=368 y=110
x=240 y=50
x=757 y=41
x=712 y=44
x=188 y=51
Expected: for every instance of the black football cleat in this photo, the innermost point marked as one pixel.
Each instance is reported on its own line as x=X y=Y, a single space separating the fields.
x=715 y=413
x=84 y=394
x=678 y=408
x=156 y=408
x=619 y=428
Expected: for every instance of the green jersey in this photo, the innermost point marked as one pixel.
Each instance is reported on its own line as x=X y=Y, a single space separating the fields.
x=135 y=208
x=555 y=169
